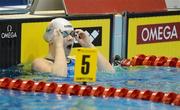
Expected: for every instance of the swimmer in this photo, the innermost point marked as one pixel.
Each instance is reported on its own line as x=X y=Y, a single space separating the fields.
x=60 y=36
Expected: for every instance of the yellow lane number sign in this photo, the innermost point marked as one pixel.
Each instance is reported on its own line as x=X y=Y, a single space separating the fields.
x=86 y=64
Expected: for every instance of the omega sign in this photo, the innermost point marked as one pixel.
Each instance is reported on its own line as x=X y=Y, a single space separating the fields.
x=158 y=33
x=8 y=33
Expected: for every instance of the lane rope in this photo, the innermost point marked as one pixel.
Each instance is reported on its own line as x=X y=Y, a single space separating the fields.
x=87 y=90
x=151 y=60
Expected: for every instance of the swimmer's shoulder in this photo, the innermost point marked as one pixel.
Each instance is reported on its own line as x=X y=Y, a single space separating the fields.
x=41 y=65
x=39 y=61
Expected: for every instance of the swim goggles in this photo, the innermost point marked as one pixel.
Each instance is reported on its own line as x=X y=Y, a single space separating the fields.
x=66 y=33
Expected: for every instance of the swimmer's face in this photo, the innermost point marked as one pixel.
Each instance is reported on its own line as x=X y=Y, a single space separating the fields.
x=68 y=38
x=68 y=44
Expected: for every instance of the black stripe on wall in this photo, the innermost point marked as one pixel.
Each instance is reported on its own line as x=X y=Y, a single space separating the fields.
x=10 y=41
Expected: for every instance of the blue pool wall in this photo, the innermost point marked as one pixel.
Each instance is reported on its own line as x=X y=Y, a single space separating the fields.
x=12 y=2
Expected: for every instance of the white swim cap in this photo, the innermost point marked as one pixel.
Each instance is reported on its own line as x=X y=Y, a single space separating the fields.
x=57 y=23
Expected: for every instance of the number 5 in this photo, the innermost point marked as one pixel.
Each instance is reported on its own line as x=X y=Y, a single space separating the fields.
x=85 y=64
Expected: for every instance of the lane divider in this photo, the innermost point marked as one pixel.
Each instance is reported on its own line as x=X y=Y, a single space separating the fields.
x=151 y=60
x=82 y=90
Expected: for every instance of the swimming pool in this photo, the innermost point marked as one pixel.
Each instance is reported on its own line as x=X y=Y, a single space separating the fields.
x=165 y=79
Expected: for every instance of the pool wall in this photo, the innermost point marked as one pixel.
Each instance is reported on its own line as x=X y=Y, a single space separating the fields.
x=22 y=41
x=119 y=34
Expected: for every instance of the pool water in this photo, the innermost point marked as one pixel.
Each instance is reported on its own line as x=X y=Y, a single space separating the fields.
x=165 y=79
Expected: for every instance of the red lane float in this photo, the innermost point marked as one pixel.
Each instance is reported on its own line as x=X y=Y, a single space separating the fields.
x=178 y=64
x=73 y=90
x=15 y=84
x=176 y=101
x=97 y=91
x=109 y=92
x=85 y=91
x=151 y=60
x=126 y=62
x=121 y=92
x=62 y=88
x=38 y=86
x=169 y=97
x=138 y=60
x=145 y=95
x=50 y=87
x=171 y=62
x=133 y=94
x=157 y=96
x=160 y=61
x=4 y=82
x=81 y=90
x=27 y=85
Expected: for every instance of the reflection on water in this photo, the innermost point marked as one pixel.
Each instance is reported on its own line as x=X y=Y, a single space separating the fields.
x=41 y=101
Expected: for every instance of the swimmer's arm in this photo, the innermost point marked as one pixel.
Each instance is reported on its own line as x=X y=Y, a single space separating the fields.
x=41 y=65
x=103 y=64
x=59 y=66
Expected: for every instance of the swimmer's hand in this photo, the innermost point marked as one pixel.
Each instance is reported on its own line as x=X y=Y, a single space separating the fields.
x=82 y=38
x=57 y=38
